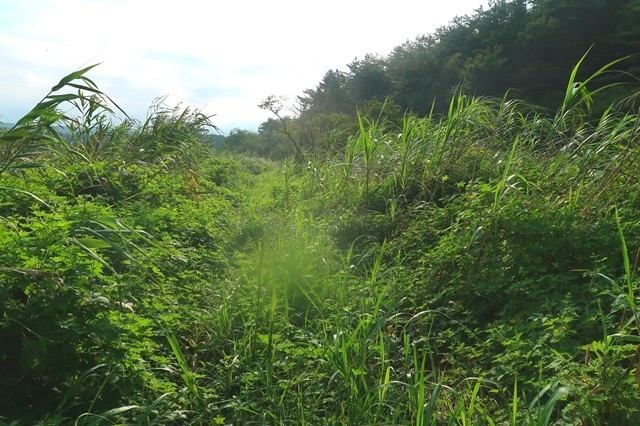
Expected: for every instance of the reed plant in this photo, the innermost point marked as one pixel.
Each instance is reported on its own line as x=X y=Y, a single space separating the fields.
x=40 y=129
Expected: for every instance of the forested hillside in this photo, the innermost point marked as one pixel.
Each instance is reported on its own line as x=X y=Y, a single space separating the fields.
x=475 y=262
x=521 y=49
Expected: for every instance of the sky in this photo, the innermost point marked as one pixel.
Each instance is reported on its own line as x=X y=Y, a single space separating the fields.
x=222 y=58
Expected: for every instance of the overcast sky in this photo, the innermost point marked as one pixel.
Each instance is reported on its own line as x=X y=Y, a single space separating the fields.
x=221 y=57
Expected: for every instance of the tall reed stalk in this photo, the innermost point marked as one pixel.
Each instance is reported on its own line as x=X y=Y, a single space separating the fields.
x=36 y=132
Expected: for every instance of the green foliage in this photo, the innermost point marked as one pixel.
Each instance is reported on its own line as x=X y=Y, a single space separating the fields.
x=523 y=47
x=81 y=336
x=472 y=267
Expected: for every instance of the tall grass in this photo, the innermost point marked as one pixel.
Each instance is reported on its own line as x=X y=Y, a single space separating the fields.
x=36 y=132
x=498 y=154
x=391 y=329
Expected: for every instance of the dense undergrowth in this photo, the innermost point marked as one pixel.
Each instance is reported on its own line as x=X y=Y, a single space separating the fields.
x=476 y=268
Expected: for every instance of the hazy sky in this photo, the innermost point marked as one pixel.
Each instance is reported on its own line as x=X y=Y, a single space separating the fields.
x=220 y=57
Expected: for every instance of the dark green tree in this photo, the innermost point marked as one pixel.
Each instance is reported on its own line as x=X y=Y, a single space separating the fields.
x=368 y=79
x=328 y=97
x=414 y=70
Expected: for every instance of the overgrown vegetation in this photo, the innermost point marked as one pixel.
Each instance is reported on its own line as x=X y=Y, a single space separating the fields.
x=472 y=267
x=479 y=267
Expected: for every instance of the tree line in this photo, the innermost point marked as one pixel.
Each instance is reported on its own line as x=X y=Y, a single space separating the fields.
x=525 y=49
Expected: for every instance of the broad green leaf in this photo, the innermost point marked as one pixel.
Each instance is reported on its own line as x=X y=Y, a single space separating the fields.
x=627 y=337
x=110 y=222
x=119 y=410
x=73 y=76
x=94 y=243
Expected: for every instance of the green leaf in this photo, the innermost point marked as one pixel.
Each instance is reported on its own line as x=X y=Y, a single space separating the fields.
x=94 y=243
x=110 y=222
x=16 y=134
x=119 y=410
x=86 y=88
x=35 y=197
x=53 y=99
x=627 y=337
x=73 y=76
x=93 y=254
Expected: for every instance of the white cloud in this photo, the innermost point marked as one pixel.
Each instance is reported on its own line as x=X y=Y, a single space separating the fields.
x=223 y=57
